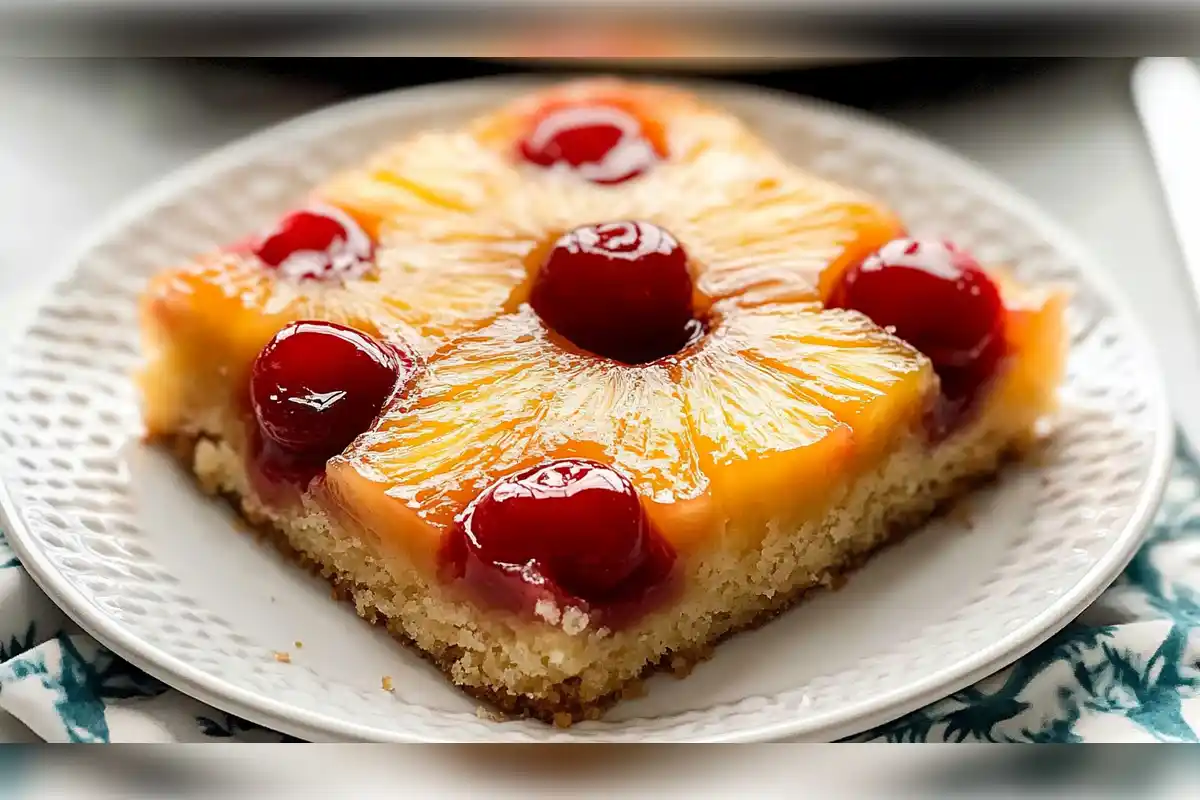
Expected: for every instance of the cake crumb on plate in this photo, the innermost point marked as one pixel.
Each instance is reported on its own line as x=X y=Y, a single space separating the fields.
x=489 y=715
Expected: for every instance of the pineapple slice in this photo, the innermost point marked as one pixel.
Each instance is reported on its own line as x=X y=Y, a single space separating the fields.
x=206 y=322
x=760 y=413
x=461 y=228
x=474 y=170
x=1037 y=339
x=467 y=188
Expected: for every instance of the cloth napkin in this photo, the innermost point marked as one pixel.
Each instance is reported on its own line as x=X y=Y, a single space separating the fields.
x=1128 y=670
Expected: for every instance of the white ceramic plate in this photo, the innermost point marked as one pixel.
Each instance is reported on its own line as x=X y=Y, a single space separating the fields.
x=118 y=536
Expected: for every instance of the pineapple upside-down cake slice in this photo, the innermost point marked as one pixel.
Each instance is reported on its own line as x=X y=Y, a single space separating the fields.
x=582 y=387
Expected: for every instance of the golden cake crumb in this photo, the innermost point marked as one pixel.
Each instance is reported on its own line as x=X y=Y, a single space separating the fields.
x=680 y=666
x=283 y=658
x=489 y=715
x=547 y=610
x=562 y=720
x=574 y=621
x=387 y=684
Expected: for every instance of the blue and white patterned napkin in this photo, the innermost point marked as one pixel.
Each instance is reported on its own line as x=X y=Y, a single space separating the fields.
x=1128 y=670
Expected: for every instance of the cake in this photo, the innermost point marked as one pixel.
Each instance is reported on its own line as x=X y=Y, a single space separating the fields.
x=576 y=390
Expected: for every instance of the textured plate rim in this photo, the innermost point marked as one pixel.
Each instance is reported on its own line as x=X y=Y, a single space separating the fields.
x=845 y=721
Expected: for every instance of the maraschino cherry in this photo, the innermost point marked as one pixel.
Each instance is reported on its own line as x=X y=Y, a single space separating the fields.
x=316 y=243
x=572 y=527
x=317 y=385
x=936 y=297
x=620 y=289
x=599 y=143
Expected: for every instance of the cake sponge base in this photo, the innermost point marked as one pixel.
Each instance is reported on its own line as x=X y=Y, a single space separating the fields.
x=560 y=670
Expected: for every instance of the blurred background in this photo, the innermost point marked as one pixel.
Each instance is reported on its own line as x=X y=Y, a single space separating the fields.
x=924 y=772
x=701 y=30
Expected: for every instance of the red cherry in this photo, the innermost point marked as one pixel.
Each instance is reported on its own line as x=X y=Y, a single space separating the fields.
x=317 y=385
x=938 y=299
x=315 y=243
x=601 y=144
x=574 y=526
x=620 y=289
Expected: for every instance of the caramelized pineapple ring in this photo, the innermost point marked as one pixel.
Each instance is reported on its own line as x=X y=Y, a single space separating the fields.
x=769 y=402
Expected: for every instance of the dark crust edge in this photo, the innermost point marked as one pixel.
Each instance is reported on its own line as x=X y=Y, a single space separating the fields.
x=569 y=707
